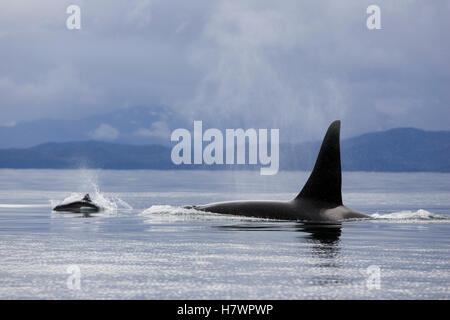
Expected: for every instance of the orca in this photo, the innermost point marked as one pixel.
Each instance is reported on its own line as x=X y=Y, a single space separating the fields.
x=320 y=200
x=85 y=205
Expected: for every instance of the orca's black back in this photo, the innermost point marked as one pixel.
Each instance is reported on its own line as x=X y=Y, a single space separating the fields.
x=324 y=183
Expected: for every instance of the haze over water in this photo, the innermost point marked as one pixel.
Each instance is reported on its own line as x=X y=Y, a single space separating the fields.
x=144 y=245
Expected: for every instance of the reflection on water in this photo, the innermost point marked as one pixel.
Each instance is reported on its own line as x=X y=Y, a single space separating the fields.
x=325 y=233
x=56 y=214
x=323 y=236
x=324 y=239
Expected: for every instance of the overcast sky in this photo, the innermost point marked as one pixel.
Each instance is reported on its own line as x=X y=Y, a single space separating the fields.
x=294 y=65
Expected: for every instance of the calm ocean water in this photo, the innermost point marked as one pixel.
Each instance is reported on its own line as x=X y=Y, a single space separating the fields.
x=145 y=246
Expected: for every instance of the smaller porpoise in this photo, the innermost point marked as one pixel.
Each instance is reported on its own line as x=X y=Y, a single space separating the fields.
x=85 y=205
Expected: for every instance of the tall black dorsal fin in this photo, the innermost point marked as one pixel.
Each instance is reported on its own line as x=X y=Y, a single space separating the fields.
x=324 y=183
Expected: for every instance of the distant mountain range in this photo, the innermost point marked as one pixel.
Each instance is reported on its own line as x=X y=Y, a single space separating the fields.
x=138 y=125
x=395 y=150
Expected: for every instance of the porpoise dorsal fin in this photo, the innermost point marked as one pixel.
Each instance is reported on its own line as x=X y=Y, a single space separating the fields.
x=324 y=183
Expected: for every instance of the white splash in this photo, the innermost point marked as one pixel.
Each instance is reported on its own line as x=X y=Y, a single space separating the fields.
x=173 y=213
x=409 y=215
x=13 y=206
